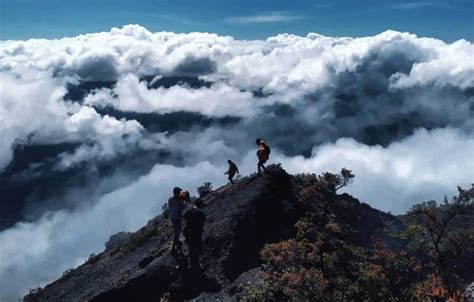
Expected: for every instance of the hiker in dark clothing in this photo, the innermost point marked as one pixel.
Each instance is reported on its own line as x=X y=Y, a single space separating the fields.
x=192 y=232
x=263 y=154
x=232 y=170
x=176 y=204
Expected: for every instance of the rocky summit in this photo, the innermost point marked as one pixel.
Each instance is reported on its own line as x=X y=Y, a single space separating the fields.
x=240 y=220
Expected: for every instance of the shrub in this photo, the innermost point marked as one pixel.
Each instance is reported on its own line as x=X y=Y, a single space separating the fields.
x=68 y=271
x=138 y=238
x=205 y=189
x=318 y=264
x=256 y=292
x=165 y=210
x=436 y=234
x=312 y=187
x=93 y=258
x=322 y=263
x=34 y=291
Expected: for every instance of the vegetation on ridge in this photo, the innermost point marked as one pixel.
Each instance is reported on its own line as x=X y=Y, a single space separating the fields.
x=324 y=263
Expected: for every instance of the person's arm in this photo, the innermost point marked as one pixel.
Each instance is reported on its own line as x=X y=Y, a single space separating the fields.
x=187 y=197
x=183 y=205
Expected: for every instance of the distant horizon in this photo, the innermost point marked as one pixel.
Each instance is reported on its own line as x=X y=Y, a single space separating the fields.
x=54 y=19
x=263 y=38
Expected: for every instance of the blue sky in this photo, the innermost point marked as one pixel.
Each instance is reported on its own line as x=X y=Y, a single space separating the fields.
x=249 y=19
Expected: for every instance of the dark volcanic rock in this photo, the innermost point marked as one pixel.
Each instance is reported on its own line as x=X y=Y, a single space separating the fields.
x=240 y=219
x=234 y=290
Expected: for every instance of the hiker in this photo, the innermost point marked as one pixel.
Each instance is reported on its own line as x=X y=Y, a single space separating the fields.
x=176 y=204
x=232 y=170
x=192 y=232
x=263 y=154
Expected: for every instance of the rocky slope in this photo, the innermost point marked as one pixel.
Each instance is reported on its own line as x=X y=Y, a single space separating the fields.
x=240 y=219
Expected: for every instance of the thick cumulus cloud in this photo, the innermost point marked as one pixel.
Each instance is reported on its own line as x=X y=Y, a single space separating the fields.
x=424 y=166
x=26 y=106
x=119 y=117
x=33 y=111
x=109 y=136
x=133 y=95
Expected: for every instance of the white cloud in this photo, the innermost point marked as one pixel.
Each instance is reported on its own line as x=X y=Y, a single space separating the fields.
x=130 y=94
x=412 y=5
x=109 y=136
x=279 y=63
x=447 y=66
x=289 y=66
x=32 y=111
x=270 y=17
x=87 y=122
x=26 y=106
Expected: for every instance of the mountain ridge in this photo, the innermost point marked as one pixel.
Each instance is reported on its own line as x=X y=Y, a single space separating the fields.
x=240 y=220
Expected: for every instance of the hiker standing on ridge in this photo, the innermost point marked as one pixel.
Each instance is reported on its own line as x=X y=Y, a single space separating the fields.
x=263 y=154
x=195 y=219
x=232 y=170
x=176 y=204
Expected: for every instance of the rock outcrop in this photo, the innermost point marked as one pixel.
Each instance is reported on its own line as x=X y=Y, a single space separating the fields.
x=240 y=220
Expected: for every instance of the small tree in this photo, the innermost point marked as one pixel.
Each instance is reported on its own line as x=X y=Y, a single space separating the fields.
x=443 y=244
x=390 y=273
x=334 y=182
x=321 y=262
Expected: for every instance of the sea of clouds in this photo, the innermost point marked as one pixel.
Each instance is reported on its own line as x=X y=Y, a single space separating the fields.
x=395 y=108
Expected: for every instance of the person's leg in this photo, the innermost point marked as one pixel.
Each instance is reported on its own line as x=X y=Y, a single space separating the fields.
x=173 y=226
x=176 y=232
x=261 y=166
x=231 y=178
x=193 y=256
x=179 y=227
x=194 y=250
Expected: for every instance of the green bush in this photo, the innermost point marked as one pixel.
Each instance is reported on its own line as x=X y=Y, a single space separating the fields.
x=256 y=292
x=93 y=258
x=139 y=238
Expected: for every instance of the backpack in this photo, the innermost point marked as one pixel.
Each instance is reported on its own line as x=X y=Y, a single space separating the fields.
x=267 y=149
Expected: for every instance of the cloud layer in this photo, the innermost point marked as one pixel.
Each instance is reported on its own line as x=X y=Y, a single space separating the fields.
x=121 y=116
